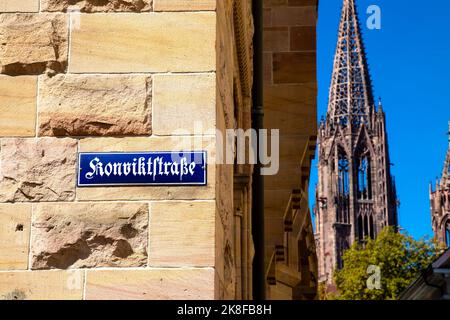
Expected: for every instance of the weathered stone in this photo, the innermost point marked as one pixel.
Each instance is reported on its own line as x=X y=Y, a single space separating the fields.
x=267 y=58
x=19 y=5
x=42 y=285
x=17 y=106
x=294 y=16
x=153 y=143
x=14 y=236
x=184 y=103
x=292 y=108
x=33 y=43
x=136 y=144
x=303 y=38
x=294 y=67
x=37 y=169
x=120 y=43
x=80 y=235
x=276 y=39
x=152 y=284
x=89 y=105
x=182 y=234
x=184 y=5
x=274 y=3
x=96 y=5
x=225 y=227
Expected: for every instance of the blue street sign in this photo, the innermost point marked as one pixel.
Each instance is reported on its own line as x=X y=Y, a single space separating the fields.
x=142 y=168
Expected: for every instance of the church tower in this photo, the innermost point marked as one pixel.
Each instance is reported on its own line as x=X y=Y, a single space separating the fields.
x=440 y=202
x=355 y=196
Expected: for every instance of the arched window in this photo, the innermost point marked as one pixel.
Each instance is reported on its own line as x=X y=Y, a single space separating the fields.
x=447 y=233
x=364 y=178
x=343 y=183
x=360 y=228
x=366 y=226
x=343 y=198
x=371 y=227
x=342 y=246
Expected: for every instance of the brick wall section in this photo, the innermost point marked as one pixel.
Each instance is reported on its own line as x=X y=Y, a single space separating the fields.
x=290 y=91
x=133 y=78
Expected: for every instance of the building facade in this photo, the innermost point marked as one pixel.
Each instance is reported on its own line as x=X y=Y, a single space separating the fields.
x=355 y=195
x=290 y=91
x=140 y=76
x=440 y=203
x=121 y=76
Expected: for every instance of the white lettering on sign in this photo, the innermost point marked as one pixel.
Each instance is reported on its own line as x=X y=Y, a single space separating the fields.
x=139 y=167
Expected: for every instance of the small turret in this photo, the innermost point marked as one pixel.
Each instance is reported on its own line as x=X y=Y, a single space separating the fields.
x=440 y=202
x=380 y=106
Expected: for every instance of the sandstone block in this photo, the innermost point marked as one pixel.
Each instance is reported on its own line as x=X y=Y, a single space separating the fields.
x=120 y=43
x=19 y=6
x=89 y=105
x=17 y=106
x=303 y=38
x=182 y=234
x=275 y=3
x=291 y=108
x=37 y=170
x=294 y=16
x=294 y=67
x=276 y=39
x=184 y=5
x=267 y=58
x=184 y=103
x=14 y=236
x=42 y=285
x=80 y=235
x=96 y=6
x=33 y=43
x=151 y=284
x=136 y=144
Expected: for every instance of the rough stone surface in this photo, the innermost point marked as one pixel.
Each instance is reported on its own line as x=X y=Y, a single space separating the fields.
x=184 y=5
x=37 y=169
x=182 y=234
x=42 y=285
x=153 y=284
x=96 y=5
x=19 y=5
x=14 y=236
x=81 y=235
x=33 y=43
x=18 y=106
x=89 y=105
x=179 y=95
x=153 y=42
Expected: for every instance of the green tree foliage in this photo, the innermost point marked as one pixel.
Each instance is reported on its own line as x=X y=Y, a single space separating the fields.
x=381 y=269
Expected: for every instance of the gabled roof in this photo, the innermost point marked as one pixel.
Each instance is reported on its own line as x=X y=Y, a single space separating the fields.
x=433 y=283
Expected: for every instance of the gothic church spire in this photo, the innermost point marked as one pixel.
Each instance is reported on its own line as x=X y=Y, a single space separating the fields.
x=350 y=98
x=356 y=195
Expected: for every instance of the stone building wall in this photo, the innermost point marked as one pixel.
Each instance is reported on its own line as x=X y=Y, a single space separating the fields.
x=89 y=76
x=290 y=91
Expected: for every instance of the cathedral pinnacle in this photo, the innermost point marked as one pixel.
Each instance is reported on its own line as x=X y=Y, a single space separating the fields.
x=350 y=98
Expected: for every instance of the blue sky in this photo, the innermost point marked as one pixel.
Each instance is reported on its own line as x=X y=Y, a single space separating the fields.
x=409 y=60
